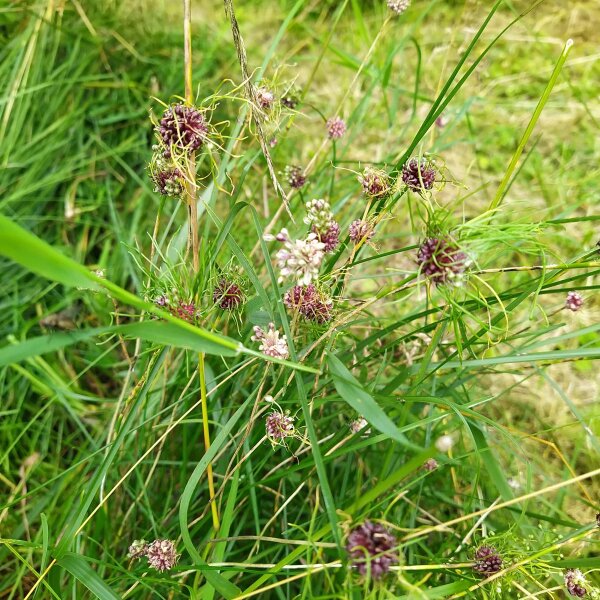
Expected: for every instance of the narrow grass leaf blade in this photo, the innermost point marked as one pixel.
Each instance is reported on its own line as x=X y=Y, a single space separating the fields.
x=83 y=572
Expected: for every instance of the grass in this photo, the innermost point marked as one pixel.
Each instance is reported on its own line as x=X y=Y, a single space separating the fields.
x=101 y=424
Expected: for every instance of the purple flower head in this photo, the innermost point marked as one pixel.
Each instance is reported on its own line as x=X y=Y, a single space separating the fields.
x=575 y=583
x=358 y=425
x=183 y=128
x=295 y=177
x=168 y=181
x=329 y=237
x=279 y=426
x=375 y=183
x=487 y=560
x=162 y=555
x=336 y=128
x=398 y=6
x=309 y=302
x=419 y=175
x=372 y=547
x=574 y=301
x=442 y=261
x=270 y=342
x=228 y=295
x=430 y=464
x=360 y=230
x=161 y=301
x=185 y=311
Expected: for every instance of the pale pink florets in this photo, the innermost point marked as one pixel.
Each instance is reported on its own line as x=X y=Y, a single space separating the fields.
x=299 y=259
x=574 y=301
x=279 y=426
x=270 y=342
x=162 y=555
x=360 y=230
x=336 y=128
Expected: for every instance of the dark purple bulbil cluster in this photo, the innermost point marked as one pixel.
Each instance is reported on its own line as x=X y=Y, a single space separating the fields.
x=419 y=174
x=330 y=237
x=295 y=177
x=372 y=548
x=168 y=181
x=575 y=583
x=182 y=127
x=228 y=295
x=487 y=561
x=309 y=302
x=441 y=260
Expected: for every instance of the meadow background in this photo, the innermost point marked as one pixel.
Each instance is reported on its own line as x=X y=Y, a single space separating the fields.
x=78 y=83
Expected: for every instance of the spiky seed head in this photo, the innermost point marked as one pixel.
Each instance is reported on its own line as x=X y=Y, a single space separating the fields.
x=372 y=547
x=336 y=128
x=183 y=129
x=419 y=174
x=360 y=230
x=137 y=549
x=309 y=302
x=162 y=555
x=575 y=583
x=487 y=560
x=228 y=295
x=574 y=301
x=375 y=183
x=278 y=426
x=295 y=177
x=398 y=6
x=442 y=261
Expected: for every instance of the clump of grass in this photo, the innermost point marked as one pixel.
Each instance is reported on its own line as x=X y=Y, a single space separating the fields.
x=289 y=378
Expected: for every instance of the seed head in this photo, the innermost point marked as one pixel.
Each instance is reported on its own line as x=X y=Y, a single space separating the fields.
x=375 y=183
x=162 y=555
x=336 y=128
x=295 y=177
x=419 y=174
x=574 y=301
x=575 y=583
x=398 y=6
x=228 y=295
x=430 y=464
x=299 y=259
x=137 y=549
x=487 y=560
x=330 y=237
x=183 y=128
x=270 y=342
x=279 y=426
x=309 y=302
x=442 y=261
x=372 y=547
x=360 y=230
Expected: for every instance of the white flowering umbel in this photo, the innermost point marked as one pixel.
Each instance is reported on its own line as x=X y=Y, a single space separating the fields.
x=270 y=342
x=318 y=215
x=299 y=259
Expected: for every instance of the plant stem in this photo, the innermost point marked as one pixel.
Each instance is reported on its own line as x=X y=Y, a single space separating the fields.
x=193 y=219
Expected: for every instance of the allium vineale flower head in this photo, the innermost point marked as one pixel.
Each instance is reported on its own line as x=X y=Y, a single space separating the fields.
x=167 y=179
x=430 y=464
x=330 y=237
x=575 y=583
x=419 y=174
x=442 y=261
x=162 y=555
x=265 y=97
x=298 y=259
x=372 y=548
x=375 y=183
x=295 y=177
x=487 y=560
x=336 y=128
x=574 y=301
x=228 y=295
x=309 y=302
x=358 y=425
x=360 y=231
x=270 y=342
x=289 y=100
x=184 y=310
x=398 y=6
x=279 y=426
x=182 y=128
